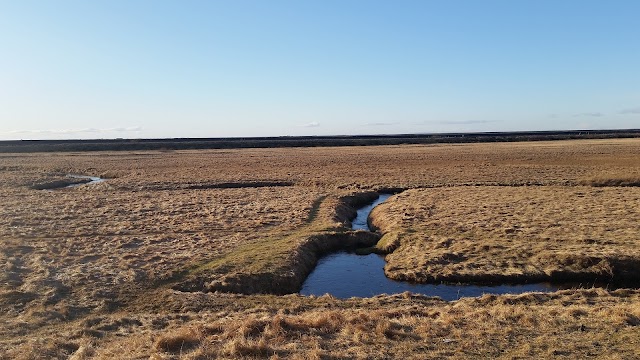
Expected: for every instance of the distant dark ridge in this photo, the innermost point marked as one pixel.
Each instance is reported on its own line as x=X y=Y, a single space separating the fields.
x=20 y=146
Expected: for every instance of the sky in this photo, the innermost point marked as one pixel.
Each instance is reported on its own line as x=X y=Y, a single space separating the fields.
x=165 y=69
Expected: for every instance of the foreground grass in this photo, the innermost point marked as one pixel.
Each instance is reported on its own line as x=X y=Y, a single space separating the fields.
x=174 y=325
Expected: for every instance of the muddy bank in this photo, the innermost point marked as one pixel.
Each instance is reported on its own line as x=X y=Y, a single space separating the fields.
x=59 y=184
x=238 y=185
x=347 y=208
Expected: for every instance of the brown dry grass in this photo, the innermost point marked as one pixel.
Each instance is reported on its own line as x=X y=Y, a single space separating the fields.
x=513 y=233
x=568 y=324
x=80 y=268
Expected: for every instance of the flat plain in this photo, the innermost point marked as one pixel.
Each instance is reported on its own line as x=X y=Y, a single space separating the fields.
x=187 y=253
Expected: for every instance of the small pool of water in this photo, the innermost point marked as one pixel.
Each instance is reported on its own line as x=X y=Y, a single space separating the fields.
x=94 y=180
x=346 y=275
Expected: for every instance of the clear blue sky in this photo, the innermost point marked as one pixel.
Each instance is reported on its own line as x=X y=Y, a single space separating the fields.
x=135 y=68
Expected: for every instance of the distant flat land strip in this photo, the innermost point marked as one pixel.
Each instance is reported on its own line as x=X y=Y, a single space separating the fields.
x=22 y=146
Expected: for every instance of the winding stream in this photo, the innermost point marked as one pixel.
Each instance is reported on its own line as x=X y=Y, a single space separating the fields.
x=361 y=222
x=346 y=275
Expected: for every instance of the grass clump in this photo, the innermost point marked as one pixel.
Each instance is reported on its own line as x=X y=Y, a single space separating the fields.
x=179 y=341
x=389 y=242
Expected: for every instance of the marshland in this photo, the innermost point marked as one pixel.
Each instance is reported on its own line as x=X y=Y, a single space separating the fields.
x=192 y=254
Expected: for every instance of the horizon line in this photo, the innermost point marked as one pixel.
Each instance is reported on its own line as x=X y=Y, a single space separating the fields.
x=608 y=130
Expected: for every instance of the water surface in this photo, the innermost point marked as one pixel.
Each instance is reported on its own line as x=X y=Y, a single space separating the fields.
x=94 y=180
x=346 y=275
x=361 y=222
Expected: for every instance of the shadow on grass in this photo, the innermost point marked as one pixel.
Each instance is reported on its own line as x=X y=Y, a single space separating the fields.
x=315 y=208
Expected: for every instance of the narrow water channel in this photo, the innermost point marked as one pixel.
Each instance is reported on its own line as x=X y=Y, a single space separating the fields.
x=361 y=222
x=346 y=275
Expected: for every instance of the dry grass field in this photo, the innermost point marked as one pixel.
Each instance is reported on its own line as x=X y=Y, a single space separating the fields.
x=129 y=268
x=497 y=233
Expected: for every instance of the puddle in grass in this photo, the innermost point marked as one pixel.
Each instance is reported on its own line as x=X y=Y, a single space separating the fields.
x=71 y=181
x=346 y=275
x=92 y=180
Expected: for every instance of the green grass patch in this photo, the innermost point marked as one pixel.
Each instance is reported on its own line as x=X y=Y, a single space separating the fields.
x=272 y=251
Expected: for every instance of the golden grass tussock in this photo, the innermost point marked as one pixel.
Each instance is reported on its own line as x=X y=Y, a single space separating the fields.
x=536 y=325
x=259 y=337
x=179 y=341
x=92 y=271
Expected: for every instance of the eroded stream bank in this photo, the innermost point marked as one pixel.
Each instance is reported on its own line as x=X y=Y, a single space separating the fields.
x=348 y=274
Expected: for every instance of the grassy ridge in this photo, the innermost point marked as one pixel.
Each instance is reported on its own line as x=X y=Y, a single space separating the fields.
x=279 y=263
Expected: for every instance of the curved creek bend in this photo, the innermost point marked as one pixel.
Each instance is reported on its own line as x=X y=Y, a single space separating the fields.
x=346 y=274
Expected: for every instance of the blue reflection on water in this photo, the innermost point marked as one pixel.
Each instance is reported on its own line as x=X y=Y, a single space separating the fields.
x=362 y=217
x=346 y=275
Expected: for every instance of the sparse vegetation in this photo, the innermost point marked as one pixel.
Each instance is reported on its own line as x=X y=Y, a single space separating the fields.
x=117 y=269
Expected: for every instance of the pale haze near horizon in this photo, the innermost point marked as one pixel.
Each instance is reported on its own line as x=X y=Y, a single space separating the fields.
x=163 y=69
